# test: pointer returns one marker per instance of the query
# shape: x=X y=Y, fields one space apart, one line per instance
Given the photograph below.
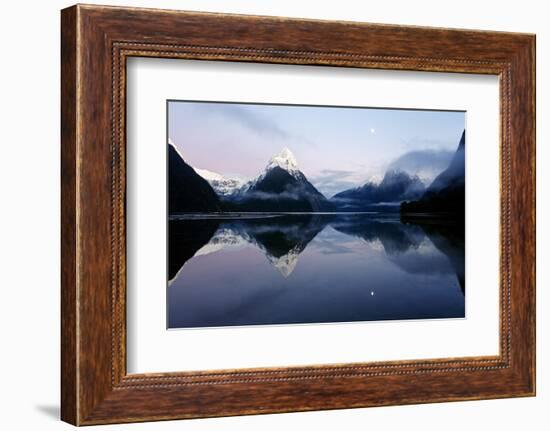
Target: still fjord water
x=261 y=269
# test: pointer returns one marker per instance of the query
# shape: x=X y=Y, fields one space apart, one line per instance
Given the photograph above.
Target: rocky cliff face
x=188 y=191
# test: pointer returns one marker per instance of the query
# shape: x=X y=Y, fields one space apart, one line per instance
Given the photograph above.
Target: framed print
x=268 y=215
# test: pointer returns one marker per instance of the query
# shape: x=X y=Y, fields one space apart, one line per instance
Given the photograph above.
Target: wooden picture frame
x=95 y=43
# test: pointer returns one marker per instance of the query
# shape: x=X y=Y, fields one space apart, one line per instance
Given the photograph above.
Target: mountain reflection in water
x=312 y=268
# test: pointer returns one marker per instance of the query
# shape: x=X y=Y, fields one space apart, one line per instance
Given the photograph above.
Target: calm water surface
x=312 y=268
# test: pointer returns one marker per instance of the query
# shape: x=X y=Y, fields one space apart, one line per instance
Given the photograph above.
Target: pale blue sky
x=335 y=147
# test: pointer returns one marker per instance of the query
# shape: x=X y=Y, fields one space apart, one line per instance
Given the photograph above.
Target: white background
x=151 y=348
x=29 y=228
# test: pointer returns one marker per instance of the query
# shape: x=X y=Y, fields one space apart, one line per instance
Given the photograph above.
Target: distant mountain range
x=446 y=194
x=283 y=187
x=280 y=187
x=223 y=186
x=395 y=187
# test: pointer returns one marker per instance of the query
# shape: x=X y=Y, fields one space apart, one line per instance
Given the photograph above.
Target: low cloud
x=427 y=164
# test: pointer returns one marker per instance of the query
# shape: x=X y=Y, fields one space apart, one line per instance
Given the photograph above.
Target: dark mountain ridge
x=277 y=191
x=188 y=191
x=446 y=194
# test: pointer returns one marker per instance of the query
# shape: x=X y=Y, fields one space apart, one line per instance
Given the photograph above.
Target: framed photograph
x=264 y=215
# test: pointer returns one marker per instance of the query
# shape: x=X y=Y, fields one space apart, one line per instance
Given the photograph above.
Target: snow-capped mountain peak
x=285 y=160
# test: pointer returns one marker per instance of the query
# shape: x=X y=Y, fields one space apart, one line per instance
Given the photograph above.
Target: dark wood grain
x=96 y=41
x=69 y=398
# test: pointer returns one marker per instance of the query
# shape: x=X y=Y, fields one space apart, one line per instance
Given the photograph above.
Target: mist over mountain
x=446 y=194
x=395 y=187
x=280 y=187
x=452 y=177
x=426 y=164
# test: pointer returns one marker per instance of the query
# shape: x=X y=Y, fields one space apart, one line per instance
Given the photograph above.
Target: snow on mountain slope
x=285 y=160
x=209 y=175
x=170 y=142
x=222 y=185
